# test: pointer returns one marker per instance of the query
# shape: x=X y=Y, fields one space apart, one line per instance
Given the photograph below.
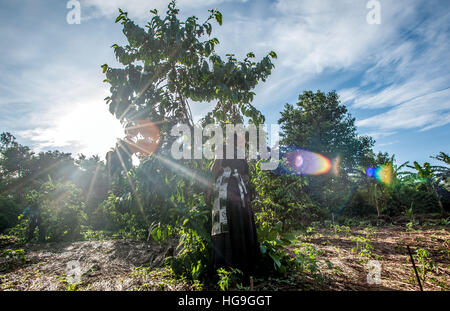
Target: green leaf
x=154 y=11
x=273 y=54
x=219 y=17
x=158 y=234
x=208 y=28
x=120 y=17
x=105 y=67
x=276 y=261
x=417 y=166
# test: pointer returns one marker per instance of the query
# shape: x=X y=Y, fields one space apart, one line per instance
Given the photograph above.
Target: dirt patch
x=95 y=265
x=350 y=257
x=342 y=258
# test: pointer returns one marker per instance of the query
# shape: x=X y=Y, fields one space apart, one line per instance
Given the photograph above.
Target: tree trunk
x=376 y=201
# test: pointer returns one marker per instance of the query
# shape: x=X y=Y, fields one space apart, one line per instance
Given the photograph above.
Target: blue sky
x=394 y=77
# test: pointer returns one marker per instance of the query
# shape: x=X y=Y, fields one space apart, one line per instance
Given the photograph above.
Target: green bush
x=20 y=229
x=61 y=211
x=194 y=249
x=228 y=277
x=282 y=198
x=114 y=215
x=305 y=260
x=9 y=212
x=272 y=246
x=359 y=205
x=193 y=259
x=12 y=258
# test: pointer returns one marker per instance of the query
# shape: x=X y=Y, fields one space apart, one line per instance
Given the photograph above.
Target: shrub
x=228 y=277
x=12 y=258
x=9 y=211
x=193 y=258
x=61 y=211
x=20 y=229
x=272 y=246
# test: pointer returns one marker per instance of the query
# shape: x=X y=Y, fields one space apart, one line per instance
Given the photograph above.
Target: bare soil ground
x=349 y=267
x=96 y=265
x=134 y=265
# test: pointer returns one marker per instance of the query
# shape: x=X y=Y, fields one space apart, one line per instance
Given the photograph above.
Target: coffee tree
x=170 y=63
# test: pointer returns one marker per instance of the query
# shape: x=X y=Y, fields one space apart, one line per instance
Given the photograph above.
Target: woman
x=233 y=233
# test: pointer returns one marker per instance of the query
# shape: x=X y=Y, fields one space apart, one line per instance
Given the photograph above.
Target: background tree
x=15 y=160
x=320 y=123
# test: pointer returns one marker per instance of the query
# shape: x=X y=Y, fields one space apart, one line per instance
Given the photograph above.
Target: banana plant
x=376 y=187
x=431 y=177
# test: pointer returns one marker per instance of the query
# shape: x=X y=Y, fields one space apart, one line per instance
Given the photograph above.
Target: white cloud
x=348 y=95
x=411 y=80
x=328 y=34
x=314 y=38
x=388 y=144
x=425 y=112
x=311 y=38
x=377 y=135
x=141 y=9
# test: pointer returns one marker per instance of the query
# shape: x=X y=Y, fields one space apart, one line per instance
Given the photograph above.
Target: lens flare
x=382 y=173
x=308 y=163
x=370 y=171
x=143 y=137
x=298 y=161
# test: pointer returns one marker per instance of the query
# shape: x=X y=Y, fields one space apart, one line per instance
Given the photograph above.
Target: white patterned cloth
x=219 y=213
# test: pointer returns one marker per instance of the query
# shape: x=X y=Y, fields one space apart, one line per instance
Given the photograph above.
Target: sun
x=88 y=128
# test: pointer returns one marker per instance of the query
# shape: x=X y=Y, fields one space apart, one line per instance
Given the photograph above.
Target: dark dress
x=233 y=234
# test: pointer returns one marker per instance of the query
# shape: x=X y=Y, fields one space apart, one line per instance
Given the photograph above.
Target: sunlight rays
x=26 y=181
x=178 y=168
x=145 y=88
x=130 y=182
x=92 y=183
x=183 y=170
